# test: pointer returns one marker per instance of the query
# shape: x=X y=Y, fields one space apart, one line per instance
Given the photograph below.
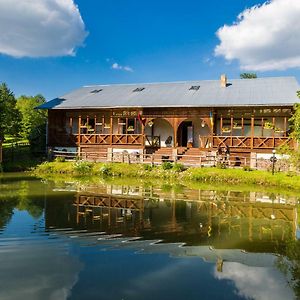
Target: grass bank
x=175 y=173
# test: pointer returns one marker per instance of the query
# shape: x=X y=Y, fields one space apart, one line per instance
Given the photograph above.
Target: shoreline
x=174 y=172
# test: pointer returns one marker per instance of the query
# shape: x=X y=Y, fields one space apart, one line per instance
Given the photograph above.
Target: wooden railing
x=152 y=141
x=127 y=139
x=96 y=139
x=244 y=142
x=114 y=139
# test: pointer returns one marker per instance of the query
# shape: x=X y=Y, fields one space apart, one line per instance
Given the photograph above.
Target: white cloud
x=34 y=28
x=265 y=37
x=256 y=282
x=116 y=66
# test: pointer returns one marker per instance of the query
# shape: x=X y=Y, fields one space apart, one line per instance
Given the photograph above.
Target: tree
x=9 y=114
x=30 y=117
x=248 y=75
x=295 y=121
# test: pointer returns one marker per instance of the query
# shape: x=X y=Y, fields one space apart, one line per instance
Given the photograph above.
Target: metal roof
x=273 y=91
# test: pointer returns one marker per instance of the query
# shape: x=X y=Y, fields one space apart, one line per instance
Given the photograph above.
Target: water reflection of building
x=223 y=219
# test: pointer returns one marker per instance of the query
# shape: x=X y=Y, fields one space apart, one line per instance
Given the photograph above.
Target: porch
x=244 y=130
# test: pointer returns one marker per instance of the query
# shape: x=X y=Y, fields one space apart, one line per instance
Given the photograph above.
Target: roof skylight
x=95 y=91
x=139 y=89
x=194 y=88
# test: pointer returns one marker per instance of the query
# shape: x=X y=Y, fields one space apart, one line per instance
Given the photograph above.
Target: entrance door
x=185 y=134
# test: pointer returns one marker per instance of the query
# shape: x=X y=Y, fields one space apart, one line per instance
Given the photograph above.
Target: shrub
x=247 y=168
x=221 y=165
x=148 y=167
x=82 y=167
x=178 y=167
x=167 y=165
x=105 y=170
x=60 y=159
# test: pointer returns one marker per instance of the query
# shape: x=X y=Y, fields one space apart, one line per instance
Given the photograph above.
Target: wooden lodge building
x=247 y=116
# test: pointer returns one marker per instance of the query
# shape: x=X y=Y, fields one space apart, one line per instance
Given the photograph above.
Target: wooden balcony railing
x=114 y=139
x=245 y=142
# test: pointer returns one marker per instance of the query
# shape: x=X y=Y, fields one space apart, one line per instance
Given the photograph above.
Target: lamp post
x=273 y=159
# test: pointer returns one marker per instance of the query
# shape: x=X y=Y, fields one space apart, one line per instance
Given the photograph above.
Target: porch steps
x=94 y=153
x=161 y=155
x=191 y=156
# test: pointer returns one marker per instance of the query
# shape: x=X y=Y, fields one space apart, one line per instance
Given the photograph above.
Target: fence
x=207 y=160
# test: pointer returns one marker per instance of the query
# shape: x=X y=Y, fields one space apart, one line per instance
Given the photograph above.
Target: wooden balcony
x=245 y=142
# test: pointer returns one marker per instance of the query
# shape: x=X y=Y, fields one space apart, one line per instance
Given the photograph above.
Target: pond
x=109 y=240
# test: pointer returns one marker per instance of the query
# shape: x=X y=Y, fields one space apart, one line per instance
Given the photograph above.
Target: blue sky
x=140 y=41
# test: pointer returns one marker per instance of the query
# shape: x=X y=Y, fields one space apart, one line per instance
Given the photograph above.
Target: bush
x=105 y=170
x=148 y=167
x=60 y=159
x=247 y=168
x=82 y=167
x=166 y=165
x=221 y=165
x=178 y=167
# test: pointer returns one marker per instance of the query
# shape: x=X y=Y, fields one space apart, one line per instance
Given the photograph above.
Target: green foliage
x=105 y=170
x=295 y=121
x=177 y=167
x=221 y=165
x=60 y=159
x=247 y=169
x=9 y=114
x=167 y=165
x=82 y=167
x=148 y=167
x=37 y=139
x=31 y=118
x=248 y=75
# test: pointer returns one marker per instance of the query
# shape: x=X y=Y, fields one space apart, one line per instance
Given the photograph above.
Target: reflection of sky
x=255 y=282
x=37 y=266
x=33 y=268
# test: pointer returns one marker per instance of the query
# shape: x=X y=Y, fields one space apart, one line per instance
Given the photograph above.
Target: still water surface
x=112 y=241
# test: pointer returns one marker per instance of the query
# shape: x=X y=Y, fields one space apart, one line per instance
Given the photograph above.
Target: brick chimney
x=223 y=81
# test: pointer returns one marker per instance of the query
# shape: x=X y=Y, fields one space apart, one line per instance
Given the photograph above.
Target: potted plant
x=130 y=128
x=226 y=129
x=268 y=125
x=236 y=125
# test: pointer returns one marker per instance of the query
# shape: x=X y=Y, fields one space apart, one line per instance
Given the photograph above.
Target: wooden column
x=243 y=127
x=71 y=125
x=111 y=128
x=221 y=125
x=175 y=127
x=285 y=126
x=79 y=129
x=143 y=134
x=231 y=130
x=252 y=130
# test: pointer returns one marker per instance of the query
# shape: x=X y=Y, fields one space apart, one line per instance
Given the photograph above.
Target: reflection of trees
x=290 y=265
x=6 y=211
x=34 y=207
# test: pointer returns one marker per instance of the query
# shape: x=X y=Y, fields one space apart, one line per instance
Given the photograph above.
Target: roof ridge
x=186 y=81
